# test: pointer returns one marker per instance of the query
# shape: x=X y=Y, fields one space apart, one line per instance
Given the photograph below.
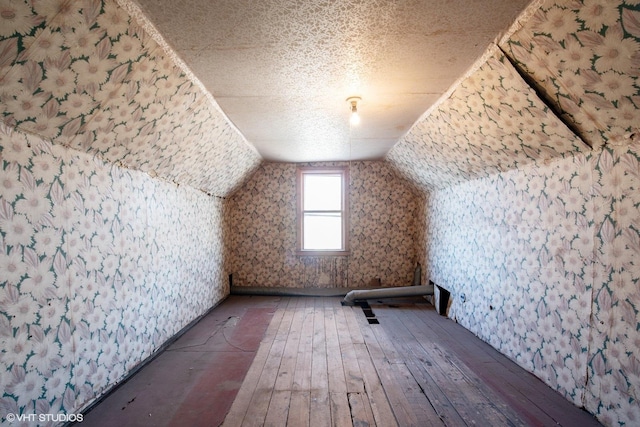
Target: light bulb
x=353 y=105
x=354 y=119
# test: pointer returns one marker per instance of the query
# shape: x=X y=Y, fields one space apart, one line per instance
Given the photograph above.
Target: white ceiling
x=281 y=70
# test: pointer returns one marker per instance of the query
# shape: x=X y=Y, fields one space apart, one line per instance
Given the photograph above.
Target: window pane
x=322 y=231
x=322 y=192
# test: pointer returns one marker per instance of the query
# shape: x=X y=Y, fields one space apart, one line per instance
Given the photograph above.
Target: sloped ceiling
x=492 y=122
x=86 y=75
x=582 y=58
x=585 y=58
x=282 y=69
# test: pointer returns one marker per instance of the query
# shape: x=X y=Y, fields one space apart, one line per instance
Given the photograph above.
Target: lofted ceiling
x=281 y=70
x=448 y=94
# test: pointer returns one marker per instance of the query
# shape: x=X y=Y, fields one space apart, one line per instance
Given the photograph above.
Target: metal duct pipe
x=403 y=291
x=289 y=292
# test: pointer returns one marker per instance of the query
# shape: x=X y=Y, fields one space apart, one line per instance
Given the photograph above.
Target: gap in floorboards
x=368 y=312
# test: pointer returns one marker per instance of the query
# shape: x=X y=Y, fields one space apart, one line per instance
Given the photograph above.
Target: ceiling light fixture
x=353 y=106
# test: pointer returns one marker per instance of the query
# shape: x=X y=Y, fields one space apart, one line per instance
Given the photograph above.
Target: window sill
x=321 y=253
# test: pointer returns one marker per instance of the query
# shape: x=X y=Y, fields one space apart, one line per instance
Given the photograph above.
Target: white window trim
x=342 y=170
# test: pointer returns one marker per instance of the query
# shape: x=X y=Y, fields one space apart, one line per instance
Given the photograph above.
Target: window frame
x=343 y=171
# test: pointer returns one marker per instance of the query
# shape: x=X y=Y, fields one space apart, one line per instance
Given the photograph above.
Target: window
x=323 y=211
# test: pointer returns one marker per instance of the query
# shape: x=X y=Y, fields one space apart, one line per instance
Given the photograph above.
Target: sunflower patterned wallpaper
x=541 y=249
x=100 y=266
x=84 y=74
x=261 y=231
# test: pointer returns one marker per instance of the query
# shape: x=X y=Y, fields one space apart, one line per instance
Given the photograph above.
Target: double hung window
x=323 y=211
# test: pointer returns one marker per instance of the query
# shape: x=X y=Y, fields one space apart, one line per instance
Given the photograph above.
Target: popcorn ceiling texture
x=101 y=264
x=282 y=69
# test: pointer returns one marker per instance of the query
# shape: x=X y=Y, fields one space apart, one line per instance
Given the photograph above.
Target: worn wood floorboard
x=279 y=404
x=474 y=402
x=261 y=398
x=390 y=368
x=361 y=413
x=340 y=412
x=535 y=402
x=299 y=410
x=422 y=368
x=352 y=374
x=241 y=404
x=322 y=364
x=320 y=409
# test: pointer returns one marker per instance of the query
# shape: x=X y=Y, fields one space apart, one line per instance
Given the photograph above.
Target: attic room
x=149 y=163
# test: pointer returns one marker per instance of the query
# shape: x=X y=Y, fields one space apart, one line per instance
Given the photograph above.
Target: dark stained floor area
x=311 y=361
x=194 y=381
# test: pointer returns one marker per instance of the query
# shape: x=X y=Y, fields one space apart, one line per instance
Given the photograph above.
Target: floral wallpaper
x=85 y=74
x=542 y=255
x=516 y=256
x=542 y=264
x=100 y=266
x=492 y=122
x=100 y=263
x=261 y=237
x=585 y=56
x=528 y=211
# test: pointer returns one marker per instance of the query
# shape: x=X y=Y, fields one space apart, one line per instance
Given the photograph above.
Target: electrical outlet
x=463 y=298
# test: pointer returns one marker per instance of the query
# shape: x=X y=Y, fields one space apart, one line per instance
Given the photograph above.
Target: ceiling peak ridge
x=135 y=11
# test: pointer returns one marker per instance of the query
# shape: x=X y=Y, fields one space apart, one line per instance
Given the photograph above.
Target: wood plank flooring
x=322 y=364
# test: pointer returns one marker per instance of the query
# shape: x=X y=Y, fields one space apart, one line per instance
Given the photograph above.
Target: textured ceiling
x=493 y=122
x=281 y=70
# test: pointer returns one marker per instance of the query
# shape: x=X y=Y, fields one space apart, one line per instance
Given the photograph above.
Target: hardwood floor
x=308 y=361
x=320 y=363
